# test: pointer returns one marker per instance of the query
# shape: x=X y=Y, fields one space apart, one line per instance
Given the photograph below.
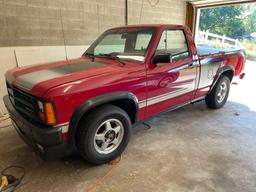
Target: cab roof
x=149 y=26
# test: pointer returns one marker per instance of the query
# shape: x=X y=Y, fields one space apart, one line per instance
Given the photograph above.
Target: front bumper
x=45 y=141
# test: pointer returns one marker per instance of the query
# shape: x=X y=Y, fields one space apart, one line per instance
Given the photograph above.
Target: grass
x=250 y=48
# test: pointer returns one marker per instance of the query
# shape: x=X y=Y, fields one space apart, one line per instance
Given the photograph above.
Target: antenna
x=63 y=35
x=126 y=12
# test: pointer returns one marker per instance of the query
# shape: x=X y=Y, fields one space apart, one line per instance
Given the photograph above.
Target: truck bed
x=230 y=56
x=208 y=50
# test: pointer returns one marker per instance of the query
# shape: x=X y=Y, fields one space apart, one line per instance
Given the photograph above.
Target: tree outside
x=236 y=21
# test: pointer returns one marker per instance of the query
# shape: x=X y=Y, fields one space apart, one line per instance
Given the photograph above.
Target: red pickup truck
x=89 y=104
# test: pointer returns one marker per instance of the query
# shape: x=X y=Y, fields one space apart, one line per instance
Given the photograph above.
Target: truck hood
x=37 y=79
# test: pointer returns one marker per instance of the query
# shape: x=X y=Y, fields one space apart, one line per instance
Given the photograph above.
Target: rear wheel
x=103 y=134
x=219 y=94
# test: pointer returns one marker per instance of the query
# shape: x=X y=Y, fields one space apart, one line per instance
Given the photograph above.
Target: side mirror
x=162 y=58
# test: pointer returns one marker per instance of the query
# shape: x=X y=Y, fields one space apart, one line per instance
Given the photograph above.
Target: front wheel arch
x=90 y=126
x=119 y=99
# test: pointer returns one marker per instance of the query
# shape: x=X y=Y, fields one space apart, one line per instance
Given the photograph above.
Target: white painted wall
x=11 y=57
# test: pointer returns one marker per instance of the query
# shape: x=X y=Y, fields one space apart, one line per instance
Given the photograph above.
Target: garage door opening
x=230 y=26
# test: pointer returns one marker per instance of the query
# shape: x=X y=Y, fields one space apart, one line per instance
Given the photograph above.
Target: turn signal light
x=46 y=113
x=49 y=113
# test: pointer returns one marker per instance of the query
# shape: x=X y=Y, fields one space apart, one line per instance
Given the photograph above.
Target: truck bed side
x=216 y=61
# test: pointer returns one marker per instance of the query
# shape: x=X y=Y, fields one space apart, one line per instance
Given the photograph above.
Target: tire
x=98 y=129
x=219 y=95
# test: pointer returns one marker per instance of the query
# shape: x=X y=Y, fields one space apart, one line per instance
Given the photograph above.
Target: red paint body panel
x=130 y=77
x=144 y=79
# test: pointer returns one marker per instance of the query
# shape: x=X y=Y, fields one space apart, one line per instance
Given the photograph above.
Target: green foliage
x=231 y=21
x=227 y=20
x=250 y=47
x=250 y=20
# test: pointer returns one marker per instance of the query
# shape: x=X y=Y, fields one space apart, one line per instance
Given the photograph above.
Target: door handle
x=191 y=64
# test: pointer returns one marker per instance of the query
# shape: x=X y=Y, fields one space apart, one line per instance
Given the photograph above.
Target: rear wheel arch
x=229 y=74
x=227 y=70
x=219 y=94
x=124 y=100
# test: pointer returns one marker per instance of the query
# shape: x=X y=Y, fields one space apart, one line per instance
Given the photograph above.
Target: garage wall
x=35 y=31
x=157 y=11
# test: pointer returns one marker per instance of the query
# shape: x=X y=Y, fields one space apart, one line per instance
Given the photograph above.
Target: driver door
x=171 y=83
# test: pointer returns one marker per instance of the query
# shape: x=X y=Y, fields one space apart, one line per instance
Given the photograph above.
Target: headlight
x=46 y=112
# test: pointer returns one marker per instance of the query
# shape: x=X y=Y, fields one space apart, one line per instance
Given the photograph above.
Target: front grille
x=22 y=102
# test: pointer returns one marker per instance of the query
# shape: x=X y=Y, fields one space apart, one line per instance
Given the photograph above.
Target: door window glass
x=173 y=42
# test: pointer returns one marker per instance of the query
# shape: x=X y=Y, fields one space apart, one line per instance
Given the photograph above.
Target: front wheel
x=103 y=134
x=219 y=94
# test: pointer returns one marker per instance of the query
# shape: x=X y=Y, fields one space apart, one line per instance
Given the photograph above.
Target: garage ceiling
x=207 y=3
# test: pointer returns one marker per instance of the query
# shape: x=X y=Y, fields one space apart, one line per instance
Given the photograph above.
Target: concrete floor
x=190 y=149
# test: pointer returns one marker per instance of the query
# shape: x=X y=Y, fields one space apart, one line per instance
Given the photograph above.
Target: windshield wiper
x=89 y=55
x=111 y=57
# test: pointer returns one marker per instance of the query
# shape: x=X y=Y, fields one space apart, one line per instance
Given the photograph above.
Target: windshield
x=129 y=44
